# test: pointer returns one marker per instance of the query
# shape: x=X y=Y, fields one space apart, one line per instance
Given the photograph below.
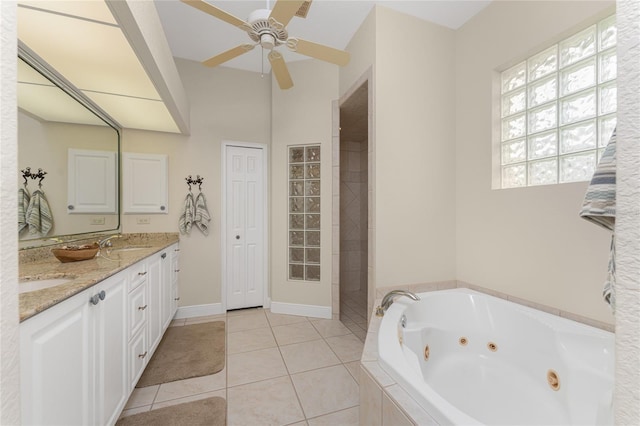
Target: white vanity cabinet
x=73 y=358
x=81 y=358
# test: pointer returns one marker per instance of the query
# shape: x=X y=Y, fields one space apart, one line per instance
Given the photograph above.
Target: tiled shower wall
x=353 y=215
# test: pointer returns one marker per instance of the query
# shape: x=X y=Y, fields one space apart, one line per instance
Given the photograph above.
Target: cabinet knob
x=142 y=308
x=176 y=249
x=162 y=208
x=94 y=300
x=163 y=255
x=237 y=237
x=70 y=207
x=102 y=295
x=177 y=298
x=142 y=273
x=143 y=355
x=176 y=270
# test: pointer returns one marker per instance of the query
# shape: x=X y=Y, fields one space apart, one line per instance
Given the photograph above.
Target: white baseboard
x=199 y=310
x=313 y=311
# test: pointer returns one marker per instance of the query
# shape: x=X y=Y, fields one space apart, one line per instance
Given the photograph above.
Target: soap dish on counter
x=76 y=253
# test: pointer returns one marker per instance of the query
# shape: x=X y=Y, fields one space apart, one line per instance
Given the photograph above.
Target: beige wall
x=362 y=49
x=301 y=115
x=526 y=242
x=226 y=105
x=414 y=151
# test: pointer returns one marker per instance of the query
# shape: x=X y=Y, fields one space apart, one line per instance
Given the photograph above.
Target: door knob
x=237 y=237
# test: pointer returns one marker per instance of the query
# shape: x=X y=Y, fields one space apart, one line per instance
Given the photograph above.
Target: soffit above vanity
x=111 y=56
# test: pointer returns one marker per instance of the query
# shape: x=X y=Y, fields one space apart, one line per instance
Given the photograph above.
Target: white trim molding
x=313 y=311
x=199 y=310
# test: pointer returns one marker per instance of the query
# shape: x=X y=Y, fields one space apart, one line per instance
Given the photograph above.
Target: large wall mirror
x=68 y=155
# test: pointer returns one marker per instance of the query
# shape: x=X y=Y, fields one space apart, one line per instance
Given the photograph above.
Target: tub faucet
x=387 y=300
x=106 y=242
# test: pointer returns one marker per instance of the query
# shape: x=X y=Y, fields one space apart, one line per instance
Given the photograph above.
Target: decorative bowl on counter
x=75 y=253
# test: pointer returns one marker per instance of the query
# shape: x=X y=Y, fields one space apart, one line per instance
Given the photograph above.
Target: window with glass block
x=558 y=109
x=304 y=212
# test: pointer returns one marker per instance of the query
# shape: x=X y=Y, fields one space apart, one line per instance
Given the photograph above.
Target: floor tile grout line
x=333 y=412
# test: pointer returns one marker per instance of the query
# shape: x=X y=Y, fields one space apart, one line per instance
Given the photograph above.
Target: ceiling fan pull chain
x=262 y=61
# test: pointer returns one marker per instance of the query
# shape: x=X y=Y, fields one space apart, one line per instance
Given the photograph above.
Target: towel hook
x=39 y=175
x=26 y=173
x=197 y=181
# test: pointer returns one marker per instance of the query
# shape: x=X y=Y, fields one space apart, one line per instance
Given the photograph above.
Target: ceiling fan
x=267 y=28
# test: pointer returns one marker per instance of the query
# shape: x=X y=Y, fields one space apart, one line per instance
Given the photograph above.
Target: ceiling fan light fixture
x=262 y=25
x=267 y=41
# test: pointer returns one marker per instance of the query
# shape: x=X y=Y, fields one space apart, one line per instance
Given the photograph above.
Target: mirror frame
x=36 y=62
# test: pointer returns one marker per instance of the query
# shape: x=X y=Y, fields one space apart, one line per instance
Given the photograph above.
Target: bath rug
x=186 y=351
x=209 y=412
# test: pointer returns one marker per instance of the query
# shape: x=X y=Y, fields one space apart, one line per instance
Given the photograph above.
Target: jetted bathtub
x=470 y=358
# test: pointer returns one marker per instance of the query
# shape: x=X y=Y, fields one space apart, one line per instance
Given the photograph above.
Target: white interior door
x=245 y=251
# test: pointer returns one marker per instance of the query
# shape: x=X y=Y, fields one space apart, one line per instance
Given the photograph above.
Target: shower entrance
x=355 y=154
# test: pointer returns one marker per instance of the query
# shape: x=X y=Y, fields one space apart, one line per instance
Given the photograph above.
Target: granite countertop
x=41 y=264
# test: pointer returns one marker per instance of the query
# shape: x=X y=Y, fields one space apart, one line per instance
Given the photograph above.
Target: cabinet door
x=167 y=293
x=138 y=357
x=154 y=318
x=110 y=331
x=145 y=188
x=92 y=181
x=175 y=269
x=56 y=364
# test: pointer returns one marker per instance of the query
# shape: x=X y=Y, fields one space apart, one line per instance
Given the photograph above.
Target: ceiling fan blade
x=214 y=11
x=284 y=10
x=280 y=70
x=319 y=51
x=228 y=55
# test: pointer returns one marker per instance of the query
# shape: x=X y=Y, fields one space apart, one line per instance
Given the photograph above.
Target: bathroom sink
x=27 y=286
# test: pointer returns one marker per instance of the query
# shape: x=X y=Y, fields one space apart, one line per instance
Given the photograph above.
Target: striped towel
x=188 y=213
x=23 y=205
x=202 y=217
x=599 y=207
x=38 y=215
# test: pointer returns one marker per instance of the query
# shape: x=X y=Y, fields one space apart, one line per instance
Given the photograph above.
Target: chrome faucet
x=387 y=300
x=106 y=242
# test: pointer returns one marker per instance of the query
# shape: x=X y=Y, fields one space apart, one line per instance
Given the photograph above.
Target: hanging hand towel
x=599 y=207
x=23 y=205
x=186 y=218
x=202 y=217
x=38 y=215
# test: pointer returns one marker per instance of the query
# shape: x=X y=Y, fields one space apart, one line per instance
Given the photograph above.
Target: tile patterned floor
x=280 y=370
x=353 y=312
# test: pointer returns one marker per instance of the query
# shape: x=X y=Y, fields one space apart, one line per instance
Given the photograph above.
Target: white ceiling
x=194 y=35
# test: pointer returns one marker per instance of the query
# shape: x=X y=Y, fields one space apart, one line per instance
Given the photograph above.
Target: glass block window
x=558 y=109
x=304 y=212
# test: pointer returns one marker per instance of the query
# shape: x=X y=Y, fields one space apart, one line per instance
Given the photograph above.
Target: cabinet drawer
x=137 y=275
x=138 y=308
x=138 y=357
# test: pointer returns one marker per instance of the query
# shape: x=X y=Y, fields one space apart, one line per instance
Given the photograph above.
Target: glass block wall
x=558 y=109
x=304 y=212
